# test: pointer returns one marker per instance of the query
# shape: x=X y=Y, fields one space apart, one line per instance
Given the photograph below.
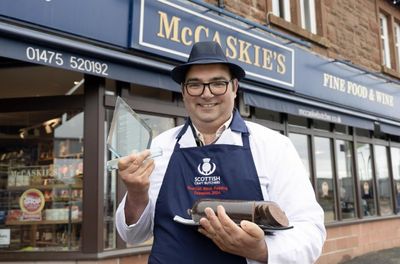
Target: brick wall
x=346 y=242
x=351 y=27
x=353 y=31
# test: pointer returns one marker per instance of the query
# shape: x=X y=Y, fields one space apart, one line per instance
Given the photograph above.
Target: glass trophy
x=128 y=134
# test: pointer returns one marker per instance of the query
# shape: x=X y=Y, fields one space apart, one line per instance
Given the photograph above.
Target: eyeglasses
x=216 y=87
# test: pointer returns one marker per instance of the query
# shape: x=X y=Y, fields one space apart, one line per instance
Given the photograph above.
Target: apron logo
x=206 y=168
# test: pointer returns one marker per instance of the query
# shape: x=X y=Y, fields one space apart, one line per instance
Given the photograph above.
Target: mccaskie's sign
x=170 y=28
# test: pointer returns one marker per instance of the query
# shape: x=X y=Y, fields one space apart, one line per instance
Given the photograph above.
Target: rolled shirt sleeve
x=141 y=230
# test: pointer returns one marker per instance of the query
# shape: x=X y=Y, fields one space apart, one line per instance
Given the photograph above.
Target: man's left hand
x=246 y=241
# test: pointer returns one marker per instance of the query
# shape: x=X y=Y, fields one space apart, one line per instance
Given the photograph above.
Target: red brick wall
x=351 y=27
x=347 y=242
x=353 y=31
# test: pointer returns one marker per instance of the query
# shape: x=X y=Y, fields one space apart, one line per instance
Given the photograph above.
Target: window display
x=41 y=188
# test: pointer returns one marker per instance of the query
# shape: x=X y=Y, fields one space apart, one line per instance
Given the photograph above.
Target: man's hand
x=246 y=241
x=135 y=171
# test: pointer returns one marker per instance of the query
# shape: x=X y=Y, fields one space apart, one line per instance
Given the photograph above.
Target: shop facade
x=63 y=64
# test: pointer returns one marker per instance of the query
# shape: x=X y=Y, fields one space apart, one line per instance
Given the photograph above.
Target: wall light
x=77 y=84
x=23 y=133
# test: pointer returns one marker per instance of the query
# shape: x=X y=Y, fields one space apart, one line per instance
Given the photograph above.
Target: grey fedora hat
x=206 y=52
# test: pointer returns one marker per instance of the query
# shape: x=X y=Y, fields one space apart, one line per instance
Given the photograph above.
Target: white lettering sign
x=74 y=62
x=354 y=89
x=4 y=237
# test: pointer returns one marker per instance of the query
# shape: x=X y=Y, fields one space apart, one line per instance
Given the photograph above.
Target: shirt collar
x=237 y=125
x=219 y=132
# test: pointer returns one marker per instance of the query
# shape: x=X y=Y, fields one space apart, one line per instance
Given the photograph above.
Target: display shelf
x=43 y=222
x=55 y=169
x=45 y=187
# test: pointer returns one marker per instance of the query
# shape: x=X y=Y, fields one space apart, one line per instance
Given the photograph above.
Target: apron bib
x=212 y=171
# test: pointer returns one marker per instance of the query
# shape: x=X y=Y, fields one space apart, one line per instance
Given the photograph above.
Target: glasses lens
x=218 y=87
x=194 y=89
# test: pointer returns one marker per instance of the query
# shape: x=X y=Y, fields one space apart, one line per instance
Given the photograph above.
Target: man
x=216 y=154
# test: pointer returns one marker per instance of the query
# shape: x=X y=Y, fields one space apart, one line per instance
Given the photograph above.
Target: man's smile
x=208 y=105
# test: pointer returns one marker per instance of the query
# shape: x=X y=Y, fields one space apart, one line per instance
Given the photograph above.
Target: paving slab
x=386 y=256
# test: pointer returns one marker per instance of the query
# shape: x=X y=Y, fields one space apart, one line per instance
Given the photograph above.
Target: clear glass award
x=128 y=134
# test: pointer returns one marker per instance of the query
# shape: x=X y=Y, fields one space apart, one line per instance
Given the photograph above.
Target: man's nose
x=207 y=91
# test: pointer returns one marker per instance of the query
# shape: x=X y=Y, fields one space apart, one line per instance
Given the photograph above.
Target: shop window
x=303 y=18
x=307 y=14
x=150 y=92
x=346 y=189
x=366 y=179
x=341 y=129
x=266 y=114
x=321 y=125
x=41 y=157
x=395 y=154
x=38 y=81
x=281 y=8
x=158 y=124
x=324 y=174
x=383 y=23
x=363 y=132
x=297 y=121
x=300 y=142
x=397 y=43
x=389 y=23
x=383 y=179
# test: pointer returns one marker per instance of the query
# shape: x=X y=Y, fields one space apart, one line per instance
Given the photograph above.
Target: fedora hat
x=206 y=52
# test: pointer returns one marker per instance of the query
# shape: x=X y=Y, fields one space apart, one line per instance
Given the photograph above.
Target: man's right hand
x=135 y=171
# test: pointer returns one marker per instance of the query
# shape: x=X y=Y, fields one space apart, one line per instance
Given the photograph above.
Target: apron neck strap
x=237 y=125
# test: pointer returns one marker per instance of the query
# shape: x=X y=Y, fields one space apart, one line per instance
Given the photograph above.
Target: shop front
x=61 y=75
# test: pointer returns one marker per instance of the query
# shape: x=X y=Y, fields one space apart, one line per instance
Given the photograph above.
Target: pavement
x=386 y=256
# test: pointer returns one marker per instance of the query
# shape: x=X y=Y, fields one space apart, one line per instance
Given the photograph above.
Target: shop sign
x=102 y=20
x=25 y=176
x=344 y=85
x=351 y=88
x=170 y=28
x=61 y=58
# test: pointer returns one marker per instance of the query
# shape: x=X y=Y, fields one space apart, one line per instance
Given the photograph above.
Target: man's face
x=208 y=112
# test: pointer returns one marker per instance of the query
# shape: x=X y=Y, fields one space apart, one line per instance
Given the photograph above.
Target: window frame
x=397 y=43
x=311 y=18
x=385 y=147
x=393 y=18
x=384 y=40
x=285 y=13
x=44 y=103
x=294 y=26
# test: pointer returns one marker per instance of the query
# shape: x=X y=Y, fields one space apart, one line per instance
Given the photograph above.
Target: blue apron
x=212 y=171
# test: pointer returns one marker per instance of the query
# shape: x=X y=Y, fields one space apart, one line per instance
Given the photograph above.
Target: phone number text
x=73 y=62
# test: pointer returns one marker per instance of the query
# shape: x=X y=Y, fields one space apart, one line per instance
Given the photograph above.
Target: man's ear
x=235 y=85
x=183 y=91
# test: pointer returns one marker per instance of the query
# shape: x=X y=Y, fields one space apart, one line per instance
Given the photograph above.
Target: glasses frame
x=209 y=87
